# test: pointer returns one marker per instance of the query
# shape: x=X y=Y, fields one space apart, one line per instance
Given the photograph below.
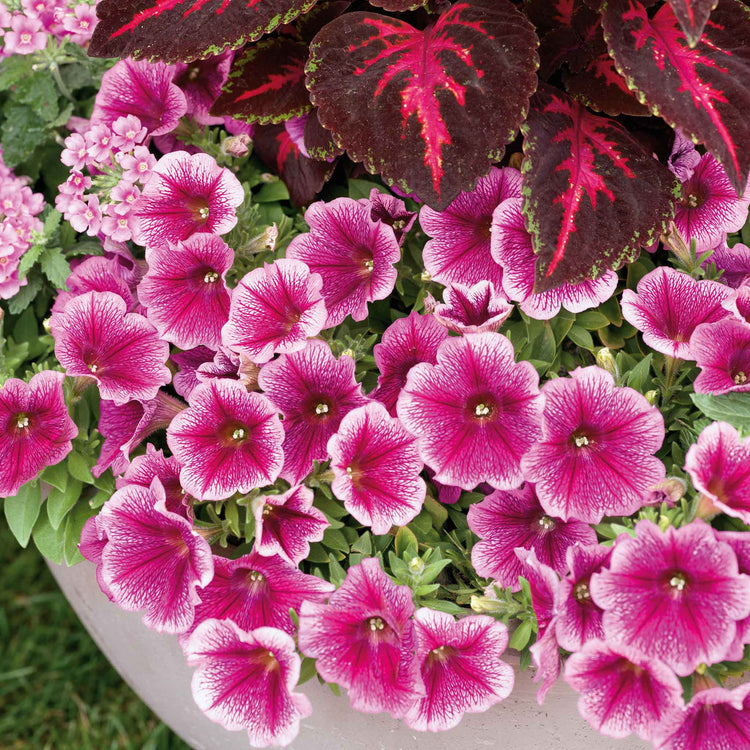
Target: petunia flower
x=476 y=309
x=255 y=591
x=126 y=426
x=185 y=379
x=353 y=254
x=742 y=302
x=675 y=595
x=722 y=351
x=392 y=211
x=459 y=251
x=187 y=194
x=35 y=428
x=406 y=342
x=228 y=440
x=715 y=718
x=596 y=453
x=684 y=157
x=719 y=465
x=144 y=468
x=96 y=338
x=314 y=391
x=185 y=291
x=734 y=262
x=91 y=545
x=739 y=541
x=512 y=249
x=460 y=668
x=274 y=310
x=153 y=558
x=246 y=681
x=376 y=466
x=504 y=521
x=709 y=207
x=669 y=305
x=201 y=82
x=286 y=524
x=476 y=412
x=362 y=640
x=623 y=691
x=143 y=89
x=578 y=618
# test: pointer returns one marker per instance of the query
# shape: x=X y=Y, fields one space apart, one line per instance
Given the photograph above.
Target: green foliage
x=730 y=407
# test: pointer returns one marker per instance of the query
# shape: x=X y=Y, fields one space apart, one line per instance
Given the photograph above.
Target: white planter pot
x=154 y=666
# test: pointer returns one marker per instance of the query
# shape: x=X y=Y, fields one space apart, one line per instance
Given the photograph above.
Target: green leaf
x=73 y=526
x=54 y=266
x=406 y=538
x=591 y=320
x=60 y=502
x=271 y=192
x=437 y=511
x=730 y=407
x=521 y=636
x=443 y=605
x=79 y=468
x=14 y=69
x=26 y=294
x=49 y=541
x=57 y=476
x=28 y=259
x=638 y=377
x=22 y=131
x=581 y=337
x=40 y=93
x=307 y=670
x=361 y=188
x=335 y=540
x=22 y=510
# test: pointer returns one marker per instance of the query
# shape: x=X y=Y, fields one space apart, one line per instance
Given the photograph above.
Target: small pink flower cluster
x=27 y=31
x=19 y=207
x=118 y=166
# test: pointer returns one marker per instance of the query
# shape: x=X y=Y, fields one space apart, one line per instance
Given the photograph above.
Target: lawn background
x=57 y=690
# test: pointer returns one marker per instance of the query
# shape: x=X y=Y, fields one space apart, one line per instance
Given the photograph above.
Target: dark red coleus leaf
x=704 y=91
x=692 y=15
x=429 y=109
x=397 y=5
x=266 y=83
x=592 y=195
x=185 y=30
x=319 y=141
x=304 y=177
x=599 y=86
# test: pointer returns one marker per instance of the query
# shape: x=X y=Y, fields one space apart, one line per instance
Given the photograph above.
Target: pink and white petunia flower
x=377 y=465
x=675 y=595
x=715 y=719
x=35 y=428
x=275 y=309
x=153 y=558
x=623 y=691
x=476 y=412
x=514 y=518
x=391 y=211
x=228 y=440
x=247 y=680
x=460 y=668
x=476 y=309
x=185 y=292
x=143 y=89
x=187 y=194
x=96 y=337
x=596 y=452
x=722 y=351
x=255 y=590
x=352 y=253
x=314 y=391
x=362 y=640
x=669 y=305
x=201 y=82
x=286 y=524
x=513 y=250
x=459 y=251
x=406 y=342
x=719 y=465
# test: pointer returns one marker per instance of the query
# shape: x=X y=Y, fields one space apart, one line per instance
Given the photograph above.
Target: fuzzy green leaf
x=730 y=407
x=22 y=510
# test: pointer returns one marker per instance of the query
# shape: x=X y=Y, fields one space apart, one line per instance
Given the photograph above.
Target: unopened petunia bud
x=606 y=360
x=652 y=397
x=483 y=605
x=236 y=145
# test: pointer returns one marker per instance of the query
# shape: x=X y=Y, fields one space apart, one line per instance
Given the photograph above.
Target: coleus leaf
x=704 y=91
x=185 y=30
x=692 y=15
x=397 y=5
x=319 y=141
x=266 y=83
x=304 y=177
x=592 y=195
x=430 y=110
x=599 y=86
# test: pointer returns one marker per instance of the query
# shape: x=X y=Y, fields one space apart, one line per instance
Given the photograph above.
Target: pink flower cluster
x=19 y=207
x=26 y=31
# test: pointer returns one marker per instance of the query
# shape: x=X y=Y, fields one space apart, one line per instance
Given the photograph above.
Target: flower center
x=740 y=378
x=255 y=577
x=22 y=421
x=547 y=523
x=25 y=38
x=267 y=510
x=678 y=582
x=369 y=264
x=580 y=439
x=321 y=408
x=482 y=408
x=581 y=592
x=375 y=624
x=211 y=277
x=239 y=434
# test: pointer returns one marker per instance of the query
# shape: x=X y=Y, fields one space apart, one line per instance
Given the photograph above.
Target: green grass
x=57 y=690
